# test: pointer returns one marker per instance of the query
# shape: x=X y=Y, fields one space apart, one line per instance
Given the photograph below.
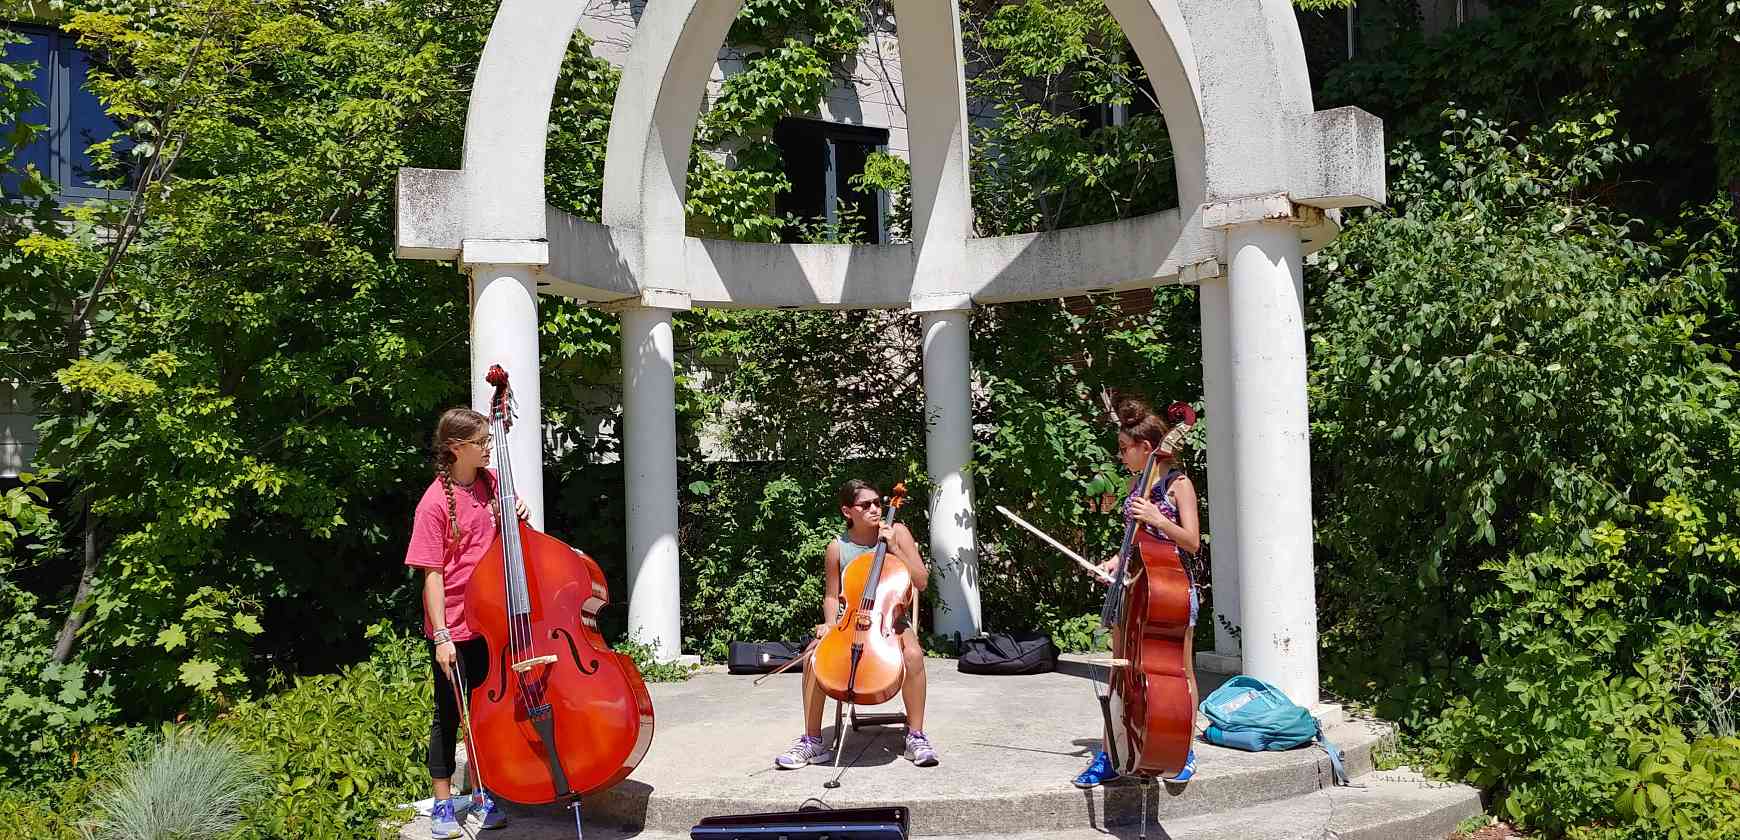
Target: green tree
x=1043 y=158
x=1668 y=70
x=259 y=372
x=1523 y=492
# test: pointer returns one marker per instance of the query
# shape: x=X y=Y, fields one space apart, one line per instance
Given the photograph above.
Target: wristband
x=443 y=635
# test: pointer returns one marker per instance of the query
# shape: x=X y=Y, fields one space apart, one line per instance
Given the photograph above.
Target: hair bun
x=1132 y=412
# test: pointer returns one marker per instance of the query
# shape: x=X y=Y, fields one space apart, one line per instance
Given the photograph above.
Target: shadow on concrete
x=1085 y=670
x=621 y=806
x=1129 y=799
x=1083 y=751
x=1206 y=681
x=870 y=746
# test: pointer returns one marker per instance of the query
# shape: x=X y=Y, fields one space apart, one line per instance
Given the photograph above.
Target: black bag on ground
x=883 y=823
x=761 y=657
x=1021 y=652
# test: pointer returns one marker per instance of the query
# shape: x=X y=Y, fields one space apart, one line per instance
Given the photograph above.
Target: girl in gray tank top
x=860 y=505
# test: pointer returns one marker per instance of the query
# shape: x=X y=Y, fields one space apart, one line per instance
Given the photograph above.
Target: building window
x=17 y=430
x=1143 y=100
x=821 y=159
x=74 y=117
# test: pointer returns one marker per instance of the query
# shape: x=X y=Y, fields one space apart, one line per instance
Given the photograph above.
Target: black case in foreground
x=883 y=823
x=761 y=657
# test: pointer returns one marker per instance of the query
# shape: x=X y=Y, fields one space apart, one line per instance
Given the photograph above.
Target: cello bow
x=1096 y=571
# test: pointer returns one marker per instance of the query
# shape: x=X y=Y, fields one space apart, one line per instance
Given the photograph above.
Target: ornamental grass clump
x=191 y=786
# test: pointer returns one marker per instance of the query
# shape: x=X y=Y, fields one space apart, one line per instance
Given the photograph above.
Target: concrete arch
x=1230 y=78
x=648 y=155
x=1260 y=176
x=507 y=120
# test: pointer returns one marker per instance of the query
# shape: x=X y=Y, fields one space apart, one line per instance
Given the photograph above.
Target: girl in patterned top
x=1168 y=513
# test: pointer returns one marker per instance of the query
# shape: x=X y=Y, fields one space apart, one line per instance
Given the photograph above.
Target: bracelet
x=443 y=635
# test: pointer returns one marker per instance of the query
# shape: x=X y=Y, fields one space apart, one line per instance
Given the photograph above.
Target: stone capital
x=504 y=252
x=1274 y=207
x=674 y=300
x=943 y=302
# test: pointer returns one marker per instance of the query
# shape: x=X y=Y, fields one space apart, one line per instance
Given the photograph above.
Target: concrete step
x=1024 y=794
x=1009 y=747
x=1385 y=805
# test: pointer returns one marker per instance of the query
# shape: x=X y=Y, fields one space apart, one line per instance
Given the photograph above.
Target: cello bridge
x=525 y=665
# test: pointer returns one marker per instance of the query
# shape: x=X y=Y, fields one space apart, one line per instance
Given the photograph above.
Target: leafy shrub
x=1683 y=789
x=340 y=750
x=1080 y=634
x=189 y=787
x=37 y=818
x=55 y=810
x=48 y=710
x=1524 y=510
x=652 y=670
x=755 y=572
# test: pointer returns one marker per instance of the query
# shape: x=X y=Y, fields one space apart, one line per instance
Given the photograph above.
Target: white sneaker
x=805 y=750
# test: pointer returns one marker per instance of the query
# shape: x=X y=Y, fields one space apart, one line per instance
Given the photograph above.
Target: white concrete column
x=1272 y=457
x=504 y=331
x=948 y=412
x=1214 y=297
x=649 y=462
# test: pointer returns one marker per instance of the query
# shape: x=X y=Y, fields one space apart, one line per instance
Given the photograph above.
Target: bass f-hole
x=574 y=651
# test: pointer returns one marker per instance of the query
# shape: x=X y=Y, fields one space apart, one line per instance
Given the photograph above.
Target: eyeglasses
x=481 y=444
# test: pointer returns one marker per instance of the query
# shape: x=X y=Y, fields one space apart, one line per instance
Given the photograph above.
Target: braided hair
x=456 y=425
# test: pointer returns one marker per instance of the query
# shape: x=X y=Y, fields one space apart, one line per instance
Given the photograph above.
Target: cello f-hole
x=501 y=664
x=574 y=651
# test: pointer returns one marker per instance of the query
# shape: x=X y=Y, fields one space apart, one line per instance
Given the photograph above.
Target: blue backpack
x=1246 y=713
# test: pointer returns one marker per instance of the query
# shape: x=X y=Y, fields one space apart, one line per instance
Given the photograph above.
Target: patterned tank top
x=1160 y=493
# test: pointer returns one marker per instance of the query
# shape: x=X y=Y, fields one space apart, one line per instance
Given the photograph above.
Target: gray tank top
x=849 y=551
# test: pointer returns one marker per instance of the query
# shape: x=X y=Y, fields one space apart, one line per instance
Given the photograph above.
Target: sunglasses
x=867 y=504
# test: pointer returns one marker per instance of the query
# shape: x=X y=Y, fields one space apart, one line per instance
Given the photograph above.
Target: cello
x=560 y=714
x=859 y=659
x=1148 y=709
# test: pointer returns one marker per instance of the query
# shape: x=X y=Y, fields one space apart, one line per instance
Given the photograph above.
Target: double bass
x=859 y=659
x=1148 y=711
x=560 y=714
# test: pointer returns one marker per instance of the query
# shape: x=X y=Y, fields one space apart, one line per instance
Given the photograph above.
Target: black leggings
x=474 y=664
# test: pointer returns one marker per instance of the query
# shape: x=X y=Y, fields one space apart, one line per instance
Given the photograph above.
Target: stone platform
x=1009 y=746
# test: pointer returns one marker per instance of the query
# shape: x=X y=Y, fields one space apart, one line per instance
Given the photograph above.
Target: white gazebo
x=1260 y=173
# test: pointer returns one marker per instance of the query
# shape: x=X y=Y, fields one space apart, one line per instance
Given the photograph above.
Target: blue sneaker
x=1097 y=773
x=442 y=824
x=1188 y=771
x=488 y=815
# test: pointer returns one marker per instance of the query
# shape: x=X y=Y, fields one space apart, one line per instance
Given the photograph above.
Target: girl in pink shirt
x=455 y=523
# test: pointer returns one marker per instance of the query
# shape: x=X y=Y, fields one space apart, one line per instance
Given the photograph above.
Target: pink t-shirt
x=432 y=545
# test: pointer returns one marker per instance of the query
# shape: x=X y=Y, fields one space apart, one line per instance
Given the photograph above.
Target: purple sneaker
x=442 y=824
x=918 y=749
x=805 y=750
x=489 y=817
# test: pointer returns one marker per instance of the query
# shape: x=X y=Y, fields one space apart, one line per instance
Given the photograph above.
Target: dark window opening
x=1142 y=101
x=821 y=159
x=73 y=116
